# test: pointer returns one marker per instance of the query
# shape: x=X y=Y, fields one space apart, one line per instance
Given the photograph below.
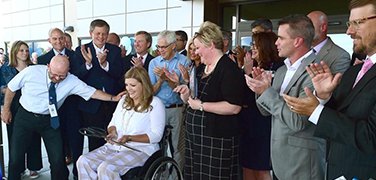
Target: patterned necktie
x=52 y=99
x=366 y=66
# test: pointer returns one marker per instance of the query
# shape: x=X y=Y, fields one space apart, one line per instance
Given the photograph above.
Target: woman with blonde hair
x=138 y=121
x=19 y=60
x=212 y=127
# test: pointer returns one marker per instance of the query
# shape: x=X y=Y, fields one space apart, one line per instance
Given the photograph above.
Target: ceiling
x=275 y=9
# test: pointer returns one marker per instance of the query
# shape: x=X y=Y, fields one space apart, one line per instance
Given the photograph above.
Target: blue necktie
x=52 y=97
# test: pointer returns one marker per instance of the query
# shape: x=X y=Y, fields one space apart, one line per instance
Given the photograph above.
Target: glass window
x=344 y=41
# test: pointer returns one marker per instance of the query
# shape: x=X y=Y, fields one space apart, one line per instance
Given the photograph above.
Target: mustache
x=355 y=37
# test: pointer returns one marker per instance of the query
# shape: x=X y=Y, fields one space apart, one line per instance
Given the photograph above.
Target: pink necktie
x=366 y=66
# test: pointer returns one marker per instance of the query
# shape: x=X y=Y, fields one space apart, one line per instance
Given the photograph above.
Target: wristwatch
x=201 y=108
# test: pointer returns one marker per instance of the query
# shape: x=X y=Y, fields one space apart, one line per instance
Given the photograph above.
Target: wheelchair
x=158 y=165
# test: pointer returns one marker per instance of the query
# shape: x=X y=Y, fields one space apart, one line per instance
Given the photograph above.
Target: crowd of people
x=294 y=106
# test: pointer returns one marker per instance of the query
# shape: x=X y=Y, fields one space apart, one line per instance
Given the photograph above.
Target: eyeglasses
x=56 y=75
x=356 y=23
x=162 y=47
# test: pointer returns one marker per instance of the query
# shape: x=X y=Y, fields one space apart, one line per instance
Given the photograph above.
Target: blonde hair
x=210 y=33
x=140 y=74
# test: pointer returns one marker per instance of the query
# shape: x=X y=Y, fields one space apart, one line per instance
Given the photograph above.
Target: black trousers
x=71 y=122
x=100 y=119
x=34 y=152
x=27 y=123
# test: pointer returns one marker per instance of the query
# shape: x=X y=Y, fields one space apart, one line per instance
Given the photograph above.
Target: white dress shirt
x=291 y=69
x=98 y=51
x=34 y=82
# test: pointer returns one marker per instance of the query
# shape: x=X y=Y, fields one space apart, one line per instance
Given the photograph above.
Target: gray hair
x=169 y=36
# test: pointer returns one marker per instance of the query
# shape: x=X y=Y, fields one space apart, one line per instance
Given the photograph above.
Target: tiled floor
x=44 y=172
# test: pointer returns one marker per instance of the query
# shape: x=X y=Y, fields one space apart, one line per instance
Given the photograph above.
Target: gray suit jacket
x=295 y=152
x=337 y=58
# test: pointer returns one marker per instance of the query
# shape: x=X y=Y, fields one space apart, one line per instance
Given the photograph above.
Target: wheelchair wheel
x=164 y=168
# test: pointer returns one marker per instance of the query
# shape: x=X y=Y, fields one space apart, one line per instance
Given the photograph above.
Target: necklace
x=206 y=68
x=125 y=122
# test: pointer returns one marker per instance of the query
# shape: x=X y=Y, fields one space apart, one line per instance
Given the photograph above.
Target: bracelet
x=111 y=98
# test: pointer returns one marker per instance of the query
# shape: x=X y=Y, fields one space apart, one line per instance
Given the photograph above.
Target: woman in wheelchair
x=138 y=121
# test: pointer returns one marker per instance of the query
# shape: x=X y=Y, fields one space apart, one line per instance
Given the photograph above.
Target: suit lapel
x=301 y=69
x=278 y=78
x=370 y=75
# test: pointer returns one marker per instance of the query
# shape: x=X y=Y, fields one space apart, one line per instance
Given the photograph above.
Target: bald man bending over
x=34 y=114
x=334 y=56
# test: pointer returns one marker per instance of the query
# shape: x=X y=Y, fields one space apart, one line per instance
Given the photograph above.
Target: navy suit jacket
x=96 y=76
x=184 y=52
x=46 y=58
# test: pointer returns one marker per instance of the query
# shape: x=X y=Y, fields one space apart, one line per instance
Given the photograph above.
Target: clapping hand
x=158 y=71
x=302 y=105
x=102 y=56
x=323 y=80
x=137 y=61
x=172 y=76
x=240 y=54
x=184 y=73
x=248 y=63
x=260 y=81
x=86 y=53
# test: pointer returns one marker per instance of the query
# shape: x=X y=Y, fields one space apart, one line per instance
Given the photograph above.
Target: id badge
x=52 y=109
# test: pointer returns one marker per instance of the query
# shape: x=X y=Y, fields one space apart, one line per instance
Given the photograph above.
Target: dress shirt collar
x=296 y=65
x=48 y=80
x=57 y=52
x=174 y=57
x=99 y=50
x=373 y=58
x=143 y=57
x=318 y=47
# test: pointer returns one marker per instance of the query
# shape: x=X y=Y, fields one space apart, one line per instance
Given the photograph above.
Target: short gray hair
x=169 y=36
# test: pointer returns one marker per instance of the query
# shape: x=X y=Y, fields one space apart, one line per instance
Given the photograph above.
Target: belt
x=36 y=114
x=40 y=115
x=174 y=106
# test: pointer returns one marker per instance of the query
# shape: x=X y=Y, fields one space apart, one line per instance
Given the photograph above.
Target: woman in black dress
x=256 y=128
x=212 y=127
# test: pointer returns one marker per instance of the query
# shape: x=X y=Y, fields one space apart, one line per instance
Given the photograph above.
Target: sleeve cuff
x=107 y=67
x=322 y=101
x=88 y=66
x=314 y=118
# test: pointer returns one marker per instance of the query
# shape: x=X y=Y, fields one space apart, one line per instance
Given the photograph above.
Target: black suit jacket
x=96 y=76
x=348 y=122
x=128 y=64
